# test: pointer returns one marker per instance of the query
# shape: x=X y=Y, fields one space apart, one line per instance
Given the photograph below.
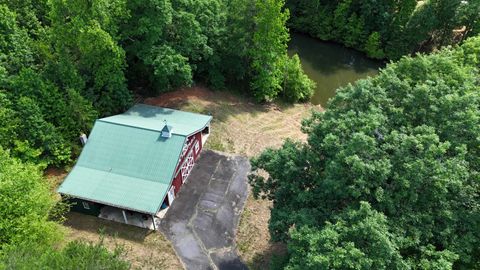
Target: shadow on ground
x=221 y=104
x=93 y=224
x=263 y=260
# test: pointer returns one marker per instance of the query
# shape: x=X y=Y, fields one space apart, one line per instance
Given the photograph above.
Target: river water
x=330 y=65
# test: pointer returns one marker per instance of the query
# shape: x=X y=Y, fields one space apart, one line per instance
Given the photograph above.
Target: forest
x=387 y=29
x=63 y=64
x=388 y=178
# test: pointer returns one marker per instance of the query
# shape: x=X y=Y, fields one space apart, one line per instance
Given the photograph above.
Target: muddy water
x=330 y=65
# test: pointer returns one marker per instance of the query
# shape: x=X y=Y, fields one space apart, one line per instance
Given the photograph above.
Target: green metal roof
x=128 y=165
x=152 y=117
x=114 y=189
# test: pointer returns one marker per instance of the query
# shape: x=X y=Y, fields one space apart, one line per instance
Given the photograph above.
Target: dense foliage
x=387 y=28
x=389 y=177
x=76 y=255
x=25 y=204
x=29 y=229
x=64 y=63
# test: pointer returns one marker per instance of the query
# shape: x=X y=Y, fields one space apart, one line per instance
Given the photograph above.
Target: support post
x=153 y=220
x=124 y=217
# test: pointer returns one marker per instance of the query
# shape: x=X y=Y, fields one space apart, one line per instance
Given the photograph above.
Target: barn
x=133 y=164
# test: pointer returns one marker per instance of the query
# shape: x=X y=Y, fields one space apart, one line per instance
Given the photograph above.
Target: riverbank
x=330 y=65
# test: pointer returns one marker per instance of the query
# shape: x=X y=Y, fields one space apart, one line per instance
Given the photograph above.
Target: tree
x=406 y=143
x=29 y=135
x=31 y=15
x=212 y=17
x=8 y=128
x=173 y=41
x=39 y=134
x=85 y=32
x=25 y=205
x=359 y=239
x=269 y=46
x=468 y=13
x=296 y=84
x=239 y=39
x=171 y=69
x=142 y=37
x=67 y=110
x=15 y=51
x=373 y=47
x=405 y=26
x=28 y=230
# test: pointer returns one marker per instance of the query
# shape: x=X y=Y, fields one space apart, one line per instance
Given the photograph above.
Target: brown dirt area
x=241 y=126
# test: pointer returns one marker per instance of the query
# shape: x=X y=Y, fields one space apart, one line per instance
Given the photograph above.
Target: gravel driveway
x=202 y=221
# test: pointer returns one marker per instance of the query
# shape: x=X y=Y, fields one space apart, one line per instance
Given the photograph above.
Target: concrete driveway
x=202 y=221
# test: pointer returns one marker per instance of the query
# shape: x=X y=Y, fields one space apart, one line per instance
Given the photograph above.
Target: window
x=86 y=205
x=197 y=147
x=206 y=130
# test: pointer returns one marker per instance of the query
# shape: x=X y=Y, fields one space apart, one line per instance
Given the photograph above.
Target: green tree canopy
x=405 y=142
x=85 y=37
x=70 y=62
x=15 y=51
x=29 y=233
x=26 y=204
x=387 y=29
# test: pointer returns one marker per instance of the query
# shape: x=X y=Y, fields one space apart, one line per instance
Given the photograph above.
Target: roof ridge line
x=167 y=108
x=144 y=128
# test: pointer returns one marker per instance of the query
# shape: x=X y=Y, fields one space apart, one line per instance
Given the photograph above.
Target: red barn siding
x=182 y=159
x=177 y=183
x=197 y=138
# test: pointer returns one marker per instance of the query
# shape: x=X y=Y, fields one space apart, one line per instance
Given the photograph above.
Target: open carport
x=202 y=221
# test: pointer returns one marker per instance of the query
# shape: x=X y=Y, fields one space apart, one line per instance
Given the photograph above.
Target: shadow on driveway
x=203 y=219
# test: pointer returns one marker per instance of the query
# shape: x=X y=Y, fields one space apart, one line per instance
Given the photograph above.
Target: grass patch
x=239 y=125
x=144 y=249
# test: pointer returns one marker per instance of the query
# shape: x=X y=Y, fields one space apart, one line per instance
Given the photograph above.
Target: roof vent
x=83 y=139
x=166 y=130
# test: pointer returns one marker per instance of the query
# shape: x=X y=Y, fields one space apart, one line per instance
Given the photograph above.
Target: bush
x=25 y=205
x=373 y=47
x=296 y=84
x=76 y=255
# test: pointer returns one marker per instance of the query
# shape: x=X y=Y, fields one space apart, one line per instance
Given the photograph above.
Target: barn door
x=187 y=167
x=171 y=195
